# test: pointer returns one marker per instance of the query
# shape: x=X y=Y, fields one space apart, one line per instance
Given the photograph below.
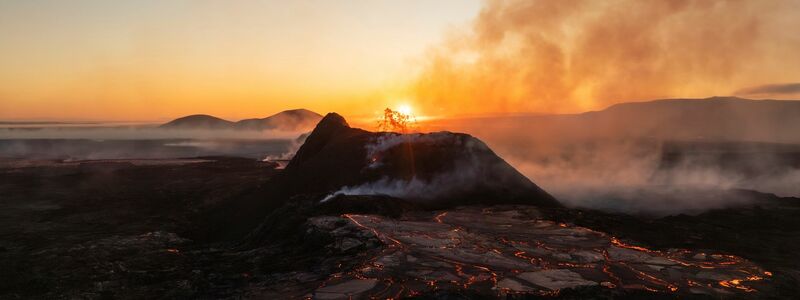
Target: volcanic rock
x=345 y=290
x=555 y=279
x=491 y=252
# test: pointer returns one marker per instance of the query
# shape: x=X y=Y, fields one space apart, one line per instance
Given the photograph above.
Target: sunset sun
x=405 y=109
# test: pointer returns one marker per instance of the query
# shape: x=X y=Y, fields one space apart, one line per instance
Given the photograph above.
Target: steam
x=639 y=174
x=466 y=172
x=635 y=174
x=283 y=159
x=628 y=183
x=391 y=140
x=579 y=55
x=413 y=189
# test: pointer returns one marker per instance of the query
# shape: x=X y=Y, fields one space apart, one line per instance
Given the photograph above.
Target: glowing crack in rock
x=508 y=250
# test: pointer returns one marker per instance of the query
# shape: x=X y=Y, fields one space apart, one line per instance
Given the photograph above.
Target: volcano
x=340 y=169
x=434 y=170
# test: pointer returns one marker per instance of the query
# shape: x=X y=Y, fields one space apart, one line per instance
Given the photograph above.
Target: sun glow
x=405 y=109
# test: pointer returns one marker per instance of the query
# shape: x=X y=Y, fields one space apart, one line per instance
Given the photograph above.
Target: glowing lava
x=400 y=120
x=499 y=252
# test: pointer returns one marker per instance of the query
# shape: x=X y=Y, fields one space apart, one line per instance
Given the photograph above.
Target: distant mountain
x=198 y=122
x=710 y=119
x=716 y=118
x=285 y=120
x=295 y=119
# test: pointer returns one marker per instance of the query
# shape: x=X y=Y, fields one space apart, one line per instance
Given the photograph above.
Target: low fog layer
x=141 y=142
x=138 y=133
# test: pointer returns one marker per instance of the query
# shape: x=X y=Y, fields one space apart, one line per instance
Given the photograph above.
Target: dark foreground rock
x=122 y=230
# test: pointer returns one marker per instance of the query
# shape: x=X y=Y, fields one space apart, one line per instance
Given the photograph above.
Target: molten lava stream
x=374 y=231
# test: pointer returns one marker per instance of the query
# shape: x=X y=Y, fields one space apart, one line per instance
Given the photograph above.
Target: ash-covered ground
x=230 y=228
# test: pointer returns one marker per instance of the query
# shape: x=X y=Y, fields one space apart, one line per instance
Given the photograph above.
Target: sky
x=158 y=60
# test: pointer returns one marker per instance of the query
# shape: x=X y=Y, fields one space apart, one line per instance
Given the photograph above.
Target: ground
x=123 y=229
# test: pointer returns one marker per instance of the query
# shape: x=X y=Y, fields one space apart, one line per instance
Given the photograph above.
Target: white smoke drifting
x=283 y=159
x=467 y=172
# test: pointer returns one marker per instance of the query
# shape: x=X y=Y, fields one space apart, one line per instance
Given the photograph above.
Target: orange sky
x=157 y=60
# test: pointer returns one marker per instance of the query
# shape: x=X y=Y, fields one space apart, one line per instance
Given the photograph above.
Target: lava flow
x=502 y=251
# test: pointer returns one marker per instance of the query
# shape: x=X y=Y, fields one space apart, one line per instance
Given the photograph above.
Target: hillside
x=288 y=120
x=716 y=118
x=285 y=120
x=198 y=122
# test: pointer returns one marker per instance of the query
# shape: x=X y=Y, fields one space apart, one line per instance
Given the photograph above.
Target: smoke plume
x=578 y=55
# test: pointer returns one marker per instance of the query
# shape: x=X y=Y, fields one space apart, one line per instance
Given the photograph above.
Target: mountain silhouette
x=198 y=122
x=285 y=120
x=288 y=120
x=709 y=119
